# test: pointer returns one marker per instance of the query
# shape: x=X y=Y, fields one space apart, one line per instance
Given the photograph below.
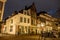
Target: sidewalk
x=1 y=35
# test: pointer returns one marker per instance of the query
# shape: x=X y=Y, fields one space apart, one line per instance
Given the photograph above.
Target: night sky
x=16 y=5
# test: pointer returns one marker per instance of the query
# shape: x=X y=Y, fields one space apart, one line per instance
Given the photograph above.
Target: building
x=27 y=21
x=46 y=23
x=2 y=5
x=22 y=22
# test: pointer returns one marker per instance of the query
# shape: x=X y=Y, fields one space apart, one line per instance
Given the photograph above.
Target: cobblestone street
x=26 y=37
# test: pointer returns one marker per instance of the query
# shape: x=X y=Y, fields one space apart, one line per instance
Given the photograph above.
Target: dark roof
x=41 y=12
x=21 y=11
x=30 y=7
x=6 y=18
x=14 y=13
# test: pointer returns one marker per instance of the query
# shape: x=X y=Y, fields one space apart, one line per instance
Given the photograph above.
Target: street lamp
x=42 y=24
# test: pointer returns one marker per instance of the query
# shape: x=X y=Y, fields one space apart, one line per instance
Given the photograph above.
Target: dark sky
x=16 y=5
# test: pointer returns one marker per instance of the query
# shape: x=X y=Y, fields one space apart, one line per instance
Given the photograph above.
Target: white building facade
x=21 y=22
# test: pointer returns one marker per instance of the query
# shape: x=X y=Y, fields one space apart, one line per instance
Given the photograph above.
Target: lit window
x=28 y=20
x=11 y=20
x=24 y=20
x=32 y=22
x=26 y=29
x=21 y=19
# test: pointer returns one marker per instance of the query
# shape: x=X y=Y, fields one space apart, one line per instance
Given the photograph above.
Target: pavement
x=24 y=37
x=3 y=35
x=20 y=37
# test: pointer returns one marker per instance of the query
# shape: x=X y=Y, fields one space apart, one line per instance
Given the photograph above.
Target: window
x=21 y=19
x=22 y=27
x=11 y=20
x=32 y=22
x=28 y=20
x=5 y=28
x=28 y=29
x=25 y=28
x=11 y=28
x=24 y=20
x=0 y=16
x=42 y=19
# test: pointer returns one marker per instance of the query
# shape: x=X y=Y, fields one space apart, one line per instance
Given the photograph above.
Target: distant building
x=47 y=22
